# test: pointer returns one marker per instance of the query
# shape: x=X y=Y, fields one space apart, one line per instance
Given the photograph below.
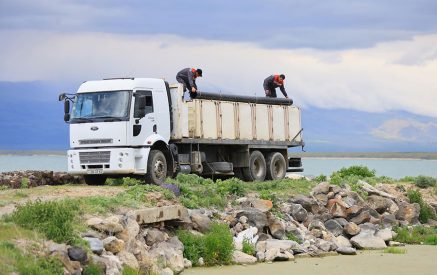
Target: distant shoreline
x=346 y=155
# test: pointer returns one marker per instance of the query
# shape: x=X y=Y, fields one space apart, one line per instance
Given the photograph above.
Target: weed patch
x=248 y=248
x=395 y=250
x=426 y=211
x=417 y=235
x=424 y=182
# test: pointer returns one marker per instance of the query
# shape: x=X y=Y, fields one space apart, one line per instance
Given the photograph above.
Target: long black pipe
x=242 y=98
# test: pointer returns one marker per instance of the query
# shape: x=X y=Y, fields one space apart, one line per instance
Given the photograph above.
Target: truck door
x=141 y=128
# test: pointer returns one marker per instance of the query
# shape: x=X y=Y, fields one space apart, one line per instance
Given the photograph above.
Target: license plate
x=94 y=171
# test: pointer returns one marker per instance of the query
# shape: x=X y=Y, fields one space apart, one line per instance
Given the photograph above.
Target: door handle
x=155 y=130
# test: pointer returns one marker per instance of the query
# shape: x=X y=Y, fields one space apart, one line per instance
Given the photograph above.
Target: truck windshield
x=89 y=107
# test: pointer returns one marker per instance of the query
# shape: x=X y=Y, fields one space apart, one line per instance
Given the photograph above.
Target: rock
x=294 y=176
x=72 y=267
x=386 y=234
x=393 y=243
x=337 y=208
x=261 y=205
x=96 y=245
x=255 y=218
x=239 y=257
x=77 y=254
x=113 y=264
x=238 y=228
x=366 y=240
x=263 y=237
x=274 y=254
x=408 y=212
x=316 y=224
x=200 y=222
x=248 y=235
x=378 y=203
x=169 y=256
x=321 y=198
x=393 y=207
x=346 y=251
x=53 y=247
x=321 y=188
x=113 y=244
x=282 y=245
x=277 y=229
x=128 y=259
x=298 y=212
x=388 y=220
x=187 y=263
x=153 y=235
x=323 y=245
x=316 y=233
x=307 y=203
x=201 y=262
x=362 y=217
x=261 y=256
x=166 y=271
x=342 y=241
x=352 y=229
x=343 y=222
x=368 y=228
x=243 y=219
x=334 y=227
x=130 y=231
x=110 y=225
x=373 y=191
x=176 y=243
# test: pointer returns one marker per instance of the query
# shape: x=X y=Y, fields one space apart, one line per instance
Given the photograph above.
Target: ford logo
x=94 y=128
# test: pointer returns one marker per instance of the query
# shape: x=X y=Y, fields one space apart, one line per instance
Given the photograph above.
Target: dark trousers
x=187 y=87
x=272 y=92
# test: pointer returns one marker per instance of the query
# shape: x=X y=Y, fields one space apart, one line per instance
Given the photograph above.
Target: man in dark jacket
x=272 y=82
x=188 y=77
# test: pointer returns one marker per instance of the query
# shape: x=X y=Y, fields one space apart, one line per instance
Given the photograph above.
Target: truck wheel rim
x=278 y=168
x=256 y=168
x=159 y=169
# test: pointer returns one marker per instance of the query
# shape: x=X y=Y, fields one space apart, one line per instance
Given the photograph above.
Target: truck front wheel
x=257 y=167
x=94 y=179
x=276 y=166
x=156 y=168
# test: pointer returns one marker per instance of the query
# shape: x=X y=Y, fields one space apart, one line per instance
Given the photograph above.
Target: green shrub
x=357 y=170
x=24 y=183
x=193 y=245
x=424 y=182
x=248 y=248
x=395 y=250
x=215 y=247
x=290 y=236
x=426 y=212
x=320 y=178
x=127 y=270
x=232 y=186
x=416 y=235
x=52 y=218
x=219 y=245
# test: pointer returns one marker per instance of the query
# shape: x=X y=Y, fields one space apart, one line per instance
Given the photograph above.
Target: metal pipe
x=247 y=99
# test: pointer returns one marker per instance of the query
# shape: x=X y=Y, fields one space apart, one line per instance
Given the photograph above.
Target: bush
x=426 y=212
x=320 y=178
x=424 y=182
x=248 y=248
x=215 y=247
x=193 y=245
x=92 y=269
x=219 y=245
x=52 y=218
x=357 y=170
x=395 y=250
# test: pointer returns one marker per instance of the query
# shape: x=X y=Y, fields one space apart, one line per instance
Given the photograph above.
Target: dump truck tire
x=276 y=166
x=257 y=167
x=156 y=168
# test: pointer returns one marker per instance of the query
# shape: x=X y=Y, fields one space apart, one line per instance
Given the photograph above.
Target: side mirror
x=62 y=97
x=66 y=110
x=141 y=105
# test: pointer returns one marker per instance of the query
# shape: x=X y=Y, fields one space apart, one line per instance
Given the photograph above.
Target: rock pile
x=36 y=178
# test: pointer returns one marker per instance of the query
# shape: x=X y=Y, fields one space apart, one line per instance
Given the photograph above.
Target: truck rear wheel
x=257 y=167
x=156 y=168
x=94 y=179
x=276 y=166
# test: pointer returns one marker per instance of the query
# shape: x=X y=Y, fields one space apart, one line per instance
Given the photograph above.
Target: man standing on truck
x=272 y=82
x=188 y=77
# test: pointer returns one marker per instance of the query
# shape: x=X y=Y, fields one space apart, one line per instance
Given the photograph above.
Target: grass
x=215 y=247
x=248 y=248
x=417 y=235
x=395 y=250
x=13 y=260
x=424 y=181
x=290 y=236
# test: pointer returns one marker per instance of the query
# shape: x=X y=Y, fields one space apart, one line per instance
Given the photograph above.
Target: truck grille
x=95 y=141
x=94 y=157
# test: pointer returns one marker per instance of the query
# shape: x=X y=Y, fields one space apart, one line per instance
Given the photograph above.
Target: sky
x=363 y=72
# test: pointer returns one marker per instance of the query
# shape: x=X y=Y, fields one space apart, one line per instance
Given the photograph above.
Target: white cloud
x=406 y=130
x=376 y=79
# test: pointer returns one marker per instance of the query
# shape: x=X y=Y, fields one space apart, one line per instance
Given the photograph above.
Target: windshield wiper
x=82 y=119
x=109 y=118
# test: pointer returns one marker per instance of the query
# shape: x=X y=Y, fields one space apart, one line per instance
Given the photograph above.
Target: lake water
x=395 y=168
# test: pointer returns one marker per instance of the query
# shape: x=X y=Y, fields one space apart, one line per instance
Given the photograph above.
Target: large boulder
x=378 y=203
x=386 y=234
x=168 y=255
x=337 y=208
x=346 y=250
x=248 y=235
x=200 y=222
x=255 y=217
x=110 y=225
x=239 y=257
x=334 y=227
x=408 y=212
x=321 y=188
x=309 y=204
x=298 y=212
x=128 y=259
x=114 y=245
x=96 y=245
x=352 y=229
x=362 y=217
x=77 y=254
x=367 y=240
x=342 y=241
x=153 y=235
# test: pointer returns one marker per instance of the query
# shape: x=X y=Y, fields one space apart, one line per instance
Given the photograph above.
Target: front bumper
x=108 y=161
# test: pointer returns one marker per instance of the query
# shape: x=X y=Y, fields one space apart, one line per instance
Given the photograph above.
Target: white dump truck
x=143 y=127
